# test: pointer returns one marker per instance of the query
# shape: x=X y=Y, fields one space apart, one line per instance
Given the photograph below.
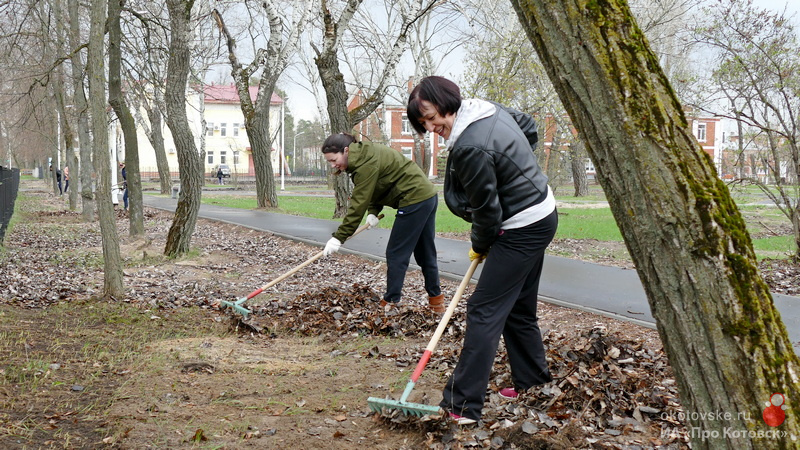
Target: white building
x=225 y=137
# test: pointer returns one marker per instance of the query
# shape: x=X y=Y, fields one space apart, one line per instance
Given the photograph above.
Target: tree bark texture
x=180 y=232
x=256 y=120
x=265 y=180
x=67 y=135
x=59 y=88
x=577 y=154
x=112 y=261
x=117 y=101
x=156 y=138
x=336 y=94
x=85 y=169
x=714 y=313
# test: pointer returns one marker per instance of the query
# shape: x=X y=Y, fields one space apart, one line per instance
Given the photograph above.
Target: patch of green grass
x=769 y=246
x=322 y=208
x=587 y=223
x=573 y=222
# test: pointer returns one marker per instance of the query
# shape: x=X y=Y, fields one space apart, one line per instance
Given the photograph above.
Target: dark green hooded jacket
x=381 y=176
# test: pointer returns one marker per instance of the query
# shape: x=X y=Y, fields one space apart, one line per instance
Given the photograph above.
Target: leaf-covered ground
x=164 y=367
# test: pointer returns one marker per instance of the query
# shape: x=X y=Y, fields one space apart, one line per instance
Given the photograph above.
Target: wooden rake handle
x=444 y=321
x=301 y=266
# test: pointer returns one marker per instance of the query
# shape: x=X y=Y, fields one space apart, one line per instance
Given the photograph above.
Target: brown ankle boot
x=436 y=304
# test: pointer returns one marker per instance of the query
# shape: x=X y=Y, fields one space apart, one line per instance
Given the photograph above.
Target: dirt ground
x=165 y=367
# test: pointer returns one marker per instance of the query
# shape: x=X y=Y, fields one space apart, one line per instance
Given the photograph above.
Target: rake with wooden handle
x=237 y=305
x=419 y=409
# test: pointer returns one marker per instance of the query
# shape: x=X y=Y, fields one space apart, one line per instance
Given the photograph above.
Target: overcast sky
x=303 y=105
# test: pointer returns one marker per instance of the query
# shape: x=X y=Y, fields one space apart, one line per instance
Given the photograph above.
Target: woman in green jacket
x=383 y=177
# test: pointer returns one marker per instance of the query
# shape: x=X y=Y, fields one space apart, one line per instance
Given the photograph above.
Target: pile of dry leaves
x=607 y=390
x=610 y=390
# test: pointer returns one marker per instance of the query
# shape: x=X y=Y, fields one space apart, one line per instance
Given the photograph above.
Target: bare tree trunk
x=156 y=138
x=327 y=62
x=576 y=155
x=336 y=94
x=274 y=59
x=189 y=162
x=84 y=170
x=422 y=154
x=66 y=134
x=117 y=101
x=112 y=262
x=714 y=313
x=259 y=138
x=70 y=162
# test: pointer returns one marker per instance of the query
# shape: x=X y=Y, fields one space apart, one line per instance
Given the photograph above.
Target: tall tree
x=429 y=41
x=714 y=313
x=60 y=42
x=145 y=68
x=758 y=75
x=112 y=262
x=333 y=81
x=503 y=68
x=189 y=160
x=283 y=37
x=117 y=101
x=82 y=110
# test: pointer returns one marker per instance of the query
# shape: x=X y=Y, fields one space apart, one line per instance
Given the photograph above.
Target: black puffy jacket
x=492 y=173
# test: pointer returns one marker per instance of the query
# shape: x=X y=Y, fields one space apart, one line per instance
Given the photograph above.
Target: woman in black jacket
x=493 y=181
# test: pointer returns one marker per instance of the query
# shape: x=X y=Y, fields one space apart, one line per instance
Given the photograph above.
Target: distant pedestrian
x=124 y=186
x=220 y=175
x=66 y=178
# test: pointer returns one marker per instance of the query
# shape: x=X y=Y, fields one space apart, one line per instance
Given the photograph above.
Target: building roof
x=226 y=93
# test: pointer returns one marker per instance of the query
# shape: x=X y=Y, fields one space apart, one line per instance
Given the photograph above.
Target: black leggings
x=504 y=303
x=414 y=231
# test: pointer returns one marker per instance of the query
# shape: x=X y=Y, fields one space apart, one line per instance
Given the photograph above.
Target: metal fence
x=9 y=185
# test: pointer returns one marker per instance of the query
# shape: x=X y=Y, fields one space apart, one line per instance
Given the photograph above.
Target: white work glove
x=372 y=221
x=332 y=246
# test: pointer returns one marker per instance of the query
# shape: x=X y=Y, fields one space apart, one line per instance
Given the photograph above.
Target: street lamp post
x=283 y=139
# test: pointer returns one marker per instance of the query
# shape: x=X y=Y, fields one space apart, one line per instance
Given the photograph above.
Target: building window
x=406 y=125
x=701 y=132
x=442 y=142
x=235 y=156
x=223 y=157
x=235 y=130
x=408 y=152
x=223 y=130
x=210 y=157
x=209 y=128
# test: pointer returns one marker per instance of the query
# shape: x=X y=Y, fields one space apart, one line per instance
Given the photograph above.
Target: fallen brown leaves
x=607 y=391
x=610 y=390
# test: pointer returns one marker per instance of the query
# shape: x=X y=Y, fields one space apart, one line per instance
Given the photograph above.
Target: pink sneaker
x=509 y=393
x=462 y=420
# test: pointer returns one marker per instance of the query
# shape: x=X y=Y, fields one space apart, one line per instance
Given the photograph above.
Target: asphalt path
x=604 y=290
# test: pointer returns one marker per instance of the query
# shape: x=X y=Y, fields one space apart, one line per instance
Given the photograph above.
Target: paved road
x=604 y=290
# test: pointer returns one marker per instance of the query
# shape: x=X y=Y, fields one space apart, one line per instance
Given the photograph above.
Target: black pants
x=414 y=231
x=504 y=303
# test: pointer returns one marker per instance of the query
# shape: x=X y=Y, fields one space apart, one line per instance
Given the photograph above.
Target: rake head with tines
x=411 y=409
x=237 y=306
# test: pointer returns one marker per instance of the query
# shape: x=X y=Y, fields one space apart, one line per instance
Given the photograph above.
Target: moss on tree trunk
x=715 y=315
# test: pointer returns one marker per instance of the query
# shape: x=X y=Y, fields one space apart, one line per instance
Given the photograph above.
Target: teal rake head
x=237 y=306
x=410 y=409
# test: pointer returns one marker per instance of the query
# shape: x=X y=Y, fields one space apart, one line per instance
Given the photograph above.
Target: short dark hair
x=336 y=143
x=442 y=93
